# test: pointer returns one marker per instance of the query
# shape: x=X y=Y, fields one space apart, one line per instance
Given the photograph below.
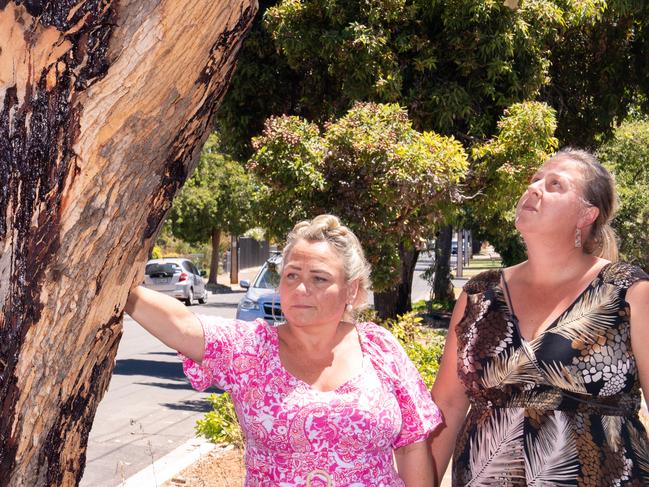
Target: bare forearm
x=168 y=320
x=444 y=438
x=415 y=465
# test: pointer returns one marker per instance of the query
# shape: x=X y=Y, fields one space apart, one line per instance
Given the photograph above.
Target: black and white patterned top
x=561 y=409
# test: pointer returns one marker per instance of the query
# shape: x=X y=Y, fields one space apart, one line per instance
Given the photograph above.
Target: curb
x=171 y=464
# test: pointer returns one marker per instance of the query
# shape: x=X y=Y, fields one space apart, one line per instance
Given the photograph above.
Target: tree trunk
x=442 y=285
x=103 y=110
x=214 y=262
x=409 y=258
x=234 y=259
x=385 y=303
x=476 y=245
x=398 y=300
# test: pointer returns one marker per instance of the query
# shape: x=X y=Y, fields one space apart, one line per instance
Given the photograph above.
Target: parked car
x=176 y=277
x=262 y=299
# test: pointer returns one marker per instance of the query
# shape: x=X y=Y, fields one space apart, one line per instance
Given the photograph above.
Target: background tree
x=455 y=65
x=387 y=181
x=627 y=156
x=216 y=199
x=103 y=109
x=418 y=54
x=598 y=64
x=502 y=168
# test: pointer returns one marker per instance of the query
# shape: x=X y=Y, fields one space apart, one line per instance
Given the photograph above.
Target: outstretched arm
x=168 y=320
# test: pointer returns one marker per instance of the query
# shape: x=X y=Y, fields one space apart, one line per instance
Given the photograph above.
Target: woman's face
x=313 y=288
x=553 y=200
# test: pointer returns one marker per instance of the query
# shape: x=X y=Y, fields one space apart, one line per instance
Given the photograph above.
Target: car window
x=195 y=269
x=187 y=266
x=268 y=279
x=161 y=269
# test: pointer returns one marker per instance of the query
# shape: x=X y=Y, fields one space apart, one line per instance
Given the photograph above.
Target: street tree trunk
x=103 y=110
x=442 y=285
x=214 y=262
x=234 y=259
x=398 y=299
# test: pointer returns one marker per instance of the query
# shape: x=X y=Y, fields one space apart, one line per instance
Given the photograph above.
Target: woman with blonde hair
x=322 y=399
x=548 y=356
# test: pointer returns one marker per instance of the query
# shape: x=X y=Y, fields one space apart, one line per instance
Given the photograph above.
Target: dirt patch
x=222 y=467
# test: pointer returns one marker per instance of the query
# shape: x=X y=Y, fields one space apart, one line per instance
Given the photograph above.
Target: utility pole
x=460 y=253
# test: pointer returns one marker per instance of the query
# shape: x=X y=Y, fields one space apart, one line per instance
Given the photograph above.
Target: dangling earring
x=349 y=308
x=577 y=237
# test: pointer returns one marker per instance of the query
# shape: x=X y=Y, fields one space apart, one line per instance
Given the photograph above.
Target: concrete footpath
x=149 y=409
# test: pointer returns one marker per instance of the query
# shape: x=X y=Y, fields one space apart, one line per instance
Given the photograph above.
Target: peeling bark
x=104 y=106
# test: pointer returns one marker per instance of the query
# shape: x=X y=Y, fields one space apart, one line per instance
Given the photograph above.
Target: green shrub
x=220 y=425
x=423 y=346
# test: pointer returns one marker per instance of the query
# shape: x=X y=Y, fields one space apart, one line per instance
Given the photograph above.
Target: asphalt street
x=150 y=408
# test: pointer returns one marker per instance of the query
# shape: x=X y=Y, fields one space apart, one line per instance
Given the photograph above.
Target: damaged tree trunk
x=104 y=106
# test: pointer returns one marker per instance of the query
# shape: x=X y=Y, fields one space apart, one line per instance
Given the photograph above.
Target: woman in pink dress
x=322 y=400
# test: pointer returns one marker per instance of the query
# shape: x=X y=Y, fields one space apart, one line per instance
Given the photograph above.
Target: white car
x=262 y=299
x=176 y=277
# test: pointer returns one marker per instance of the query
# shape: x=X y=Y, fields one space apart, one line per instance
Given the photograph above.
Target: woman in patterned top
x=550 y=354
x=322 y=400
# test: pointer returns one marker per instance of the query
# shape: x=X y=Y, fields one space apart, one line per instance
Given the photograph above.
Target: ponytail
x=605 y=243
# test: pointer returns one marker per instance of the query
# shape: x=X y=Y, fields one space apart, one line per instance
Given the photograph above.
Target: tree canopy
x=627 y=156
x=502 y=167
x=456 y=66
x=218 y=195
x=217 y=198
x=386 y=180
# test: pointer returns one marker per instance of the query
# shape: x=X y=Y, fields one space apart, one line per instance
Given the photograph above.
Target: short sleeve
x=419 y=414
x=483 y=281
x=230 y=353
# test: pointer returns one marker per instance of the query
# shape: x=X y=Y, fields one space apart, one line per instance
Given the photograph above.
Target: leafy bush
x=220 y=425
x=425 y=306
x=423 y=346
x=627 y=155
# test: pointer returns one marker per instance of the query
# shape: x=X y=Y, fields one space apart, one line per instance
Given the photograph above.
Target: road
x=149 y=408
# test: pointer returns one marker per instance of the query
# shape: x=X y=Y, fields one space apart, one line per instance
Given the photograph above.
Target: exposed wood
x=103 y=110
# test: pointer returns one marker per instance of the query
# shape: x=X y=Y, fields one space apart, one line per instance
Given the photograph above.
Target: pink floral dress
x=296 y=435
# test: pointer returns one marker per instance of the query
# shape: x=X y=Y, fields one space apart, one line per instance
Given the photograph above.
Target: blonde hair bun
x=328 y=228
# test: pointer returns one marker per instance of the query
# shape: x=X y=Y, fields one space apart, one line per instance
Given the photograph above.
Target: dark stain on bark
x=227 y=43
x=184 y=146
x=75 y=412
x=36 y=138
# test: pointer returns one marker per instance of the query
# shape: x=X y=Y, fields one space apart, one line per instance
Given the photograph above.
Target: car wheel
x=203 y=299
x=190 y=297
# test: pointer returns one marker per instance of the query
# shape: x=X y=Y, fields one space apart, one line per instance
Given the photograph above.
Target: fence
x=252 y=253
